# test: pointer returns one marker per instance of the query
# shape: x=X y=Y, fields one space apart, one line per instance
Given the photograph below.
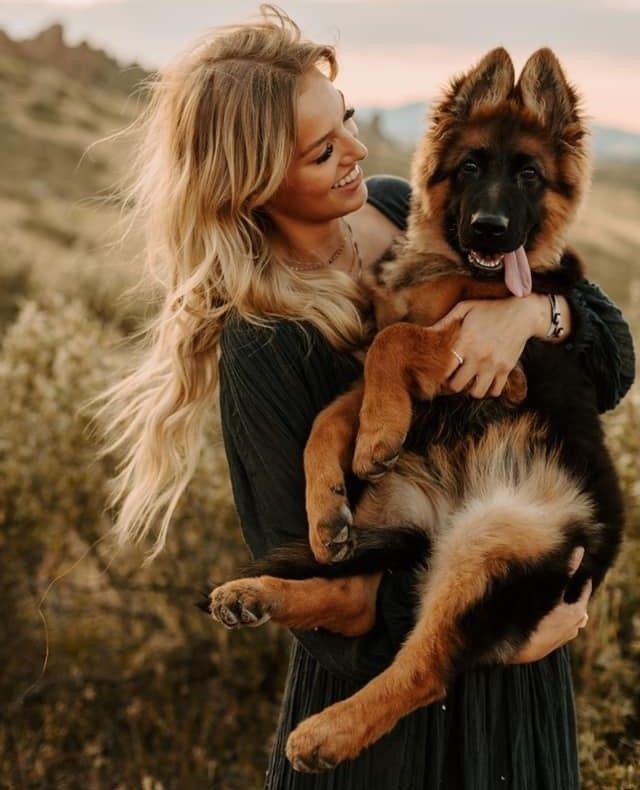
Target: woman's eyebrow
x=324 y=137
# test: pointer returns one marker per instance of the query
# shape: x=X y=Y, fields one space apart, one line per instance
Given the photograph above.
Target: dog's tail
x=376 y=549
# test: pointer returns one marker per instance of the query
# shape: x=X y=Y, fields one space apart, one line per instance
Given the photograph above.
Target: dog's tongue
x=517 y=274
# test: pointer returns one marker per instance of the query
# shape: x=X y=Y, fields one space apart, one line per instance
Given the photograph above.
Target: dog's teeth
x=485 y=263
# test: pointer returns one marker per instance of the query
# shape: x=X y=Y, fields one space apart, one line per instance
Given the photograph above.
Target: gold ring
x=458 y=357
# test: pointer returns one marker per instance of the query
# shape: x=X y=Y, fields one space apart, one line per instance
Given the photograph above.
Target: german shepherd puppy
x=488 y=497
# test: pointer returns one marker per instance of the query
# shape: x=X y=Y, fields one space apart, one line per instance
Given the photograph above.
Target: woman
x=251 y=188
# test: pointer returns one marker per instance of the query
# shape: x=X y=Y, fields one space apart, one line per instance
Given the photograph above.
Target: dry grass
x=139 y=688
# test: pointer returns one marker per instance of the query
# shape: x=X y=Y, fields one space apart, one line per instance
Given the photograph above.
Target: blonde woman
x=258 y=216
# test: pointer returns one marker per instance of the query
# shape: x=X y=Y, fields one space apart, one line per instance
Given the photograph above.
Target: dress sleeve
x=391 y=196
x=272 y=385
x=603 y=341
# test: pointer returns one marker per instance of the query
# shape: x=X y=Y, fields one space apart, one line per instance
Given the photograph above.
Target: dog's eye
x=469 y=167
x=529 y=174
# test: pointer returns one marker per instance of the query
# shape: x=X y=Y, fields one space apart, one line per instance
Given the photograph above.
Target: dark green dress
x=500 y=727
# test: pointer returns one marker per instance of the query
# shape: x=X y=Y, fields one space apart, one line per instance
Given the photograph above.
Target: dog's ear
x=487 y=84
x=544 y=90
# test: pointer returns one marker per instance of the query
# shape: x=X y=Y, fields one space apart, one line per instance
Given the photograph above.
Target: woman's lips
x=350 y=180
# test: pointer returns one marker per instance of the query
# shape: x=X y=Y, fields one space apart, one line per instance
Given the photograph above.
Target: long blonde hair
x=216 y=140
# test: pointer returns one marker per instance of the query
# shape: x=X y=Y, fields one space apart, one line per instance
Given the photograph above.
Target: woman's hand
x=561 y=625
x=492 y=338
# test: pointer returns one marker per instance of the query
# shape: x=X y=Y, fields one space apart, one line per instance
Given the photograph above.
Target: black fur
x=378 y=548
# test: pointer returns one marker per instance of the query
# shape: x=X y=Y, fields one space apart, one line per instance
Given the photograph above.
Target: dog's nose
x=485 y=224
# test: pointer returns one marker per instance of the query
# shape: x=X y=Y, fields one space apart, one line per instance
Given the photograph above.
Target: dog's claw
x=248 y=617
x=381 y=467
x=326 y=765
x=342 y=536
x=300 y=766
x=347 y=515
x=313 y=765
x=342 y=553
x=228 y=617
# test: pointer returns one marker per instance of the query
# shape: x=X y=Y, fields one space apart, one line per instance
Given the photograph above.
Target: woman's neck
x=310 y=242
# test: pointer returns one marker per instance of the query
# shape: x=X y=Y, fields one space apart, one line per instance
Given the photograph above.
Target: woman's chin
x=351 y=197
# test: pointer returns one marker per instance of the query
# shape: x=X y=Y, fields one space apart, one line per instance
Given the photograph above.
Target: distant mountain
x=406 y=123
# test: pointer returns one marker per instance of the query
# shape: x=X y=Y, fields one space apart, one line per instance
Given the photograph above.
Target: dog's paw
x=331 y=521
x=317 y=744
x=240 y=604
x=376 y=453
x=515 y=390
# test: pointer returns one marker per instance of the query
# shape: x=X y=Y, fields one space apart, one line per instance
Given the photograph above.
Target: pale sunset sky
x=390 y=51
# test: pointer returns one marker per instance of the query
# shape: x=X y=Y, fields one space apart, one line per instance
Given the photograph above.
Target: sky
x=390 y=51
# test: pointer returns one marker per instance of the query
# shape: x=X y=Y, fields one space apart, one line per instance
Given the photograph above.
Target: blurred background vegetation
x=139 y=689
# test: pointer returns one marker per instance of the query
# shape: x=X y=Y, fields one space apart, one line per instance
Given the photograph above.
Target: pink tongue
x=517 y=274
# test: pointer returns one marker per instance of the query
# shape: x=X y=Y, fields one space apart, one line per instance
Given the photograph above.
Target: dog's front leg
x=404 y=361
x=346 y=606
x=327 y=459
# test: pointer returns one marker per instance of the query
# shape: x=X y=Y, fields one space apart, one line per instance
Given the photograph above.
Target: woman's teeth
x=351 y=176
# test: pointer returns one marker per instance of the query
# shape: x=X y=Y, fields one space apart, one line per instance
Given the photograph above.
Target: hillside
x=57 y=101
x=128 y=685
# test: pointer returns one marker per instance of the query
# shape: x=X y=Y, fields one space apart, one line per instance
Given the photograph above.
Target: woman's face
x=324 y=180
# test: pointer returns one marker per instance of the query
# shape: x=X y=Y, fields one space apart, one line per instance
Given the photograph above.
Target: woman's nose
x=357 y=150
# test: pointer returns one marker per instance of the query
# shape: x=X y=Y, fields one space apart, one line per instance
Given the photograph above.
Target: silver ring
x=458 y=357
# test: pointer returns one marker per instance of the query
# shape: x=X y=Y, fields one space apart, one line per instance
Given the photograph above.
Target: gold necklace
x=356 y=259
x=312 y=267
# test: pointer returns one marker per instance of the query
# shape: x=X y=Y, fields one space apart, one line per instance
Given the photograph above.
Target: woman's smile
x=351 y=180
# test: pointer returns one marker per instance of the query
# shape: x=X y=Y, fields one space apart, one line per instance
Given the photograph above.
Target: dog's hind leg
x=346 y=606
x=483 y=543
x=327 y=460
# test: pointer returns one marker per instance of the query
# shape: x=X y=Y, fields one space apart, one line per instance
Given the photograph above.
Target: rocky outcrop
x=81 y=62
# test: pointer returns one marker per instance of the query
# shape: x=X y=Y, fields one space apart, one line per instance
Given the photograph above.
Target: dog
x=486 y=498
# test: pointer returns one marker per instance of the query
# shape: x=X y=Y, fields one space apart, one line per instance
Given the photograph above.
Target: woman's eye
x=349 y=113
x=325 y=154
x=470 y=167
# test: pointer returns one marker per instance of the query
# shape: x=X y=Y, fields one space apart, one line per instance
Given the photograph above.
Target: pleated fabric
x=500 y=727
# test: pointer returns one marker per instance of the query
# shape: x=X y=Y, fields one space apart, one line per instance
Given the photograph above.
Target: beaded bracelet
x=555 y=327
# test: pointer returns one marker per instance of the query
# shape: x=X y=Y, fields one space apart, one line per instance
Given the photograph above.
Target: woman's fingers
x=499 y=383
x=461 y=378
x=583 y=600
x=481 y=385
x=575 y=559
x=561 y=625
x=579 y=609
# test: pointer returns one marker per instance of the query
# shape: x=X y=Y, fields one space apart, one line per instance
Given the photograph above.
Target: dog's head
x=502 y=169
